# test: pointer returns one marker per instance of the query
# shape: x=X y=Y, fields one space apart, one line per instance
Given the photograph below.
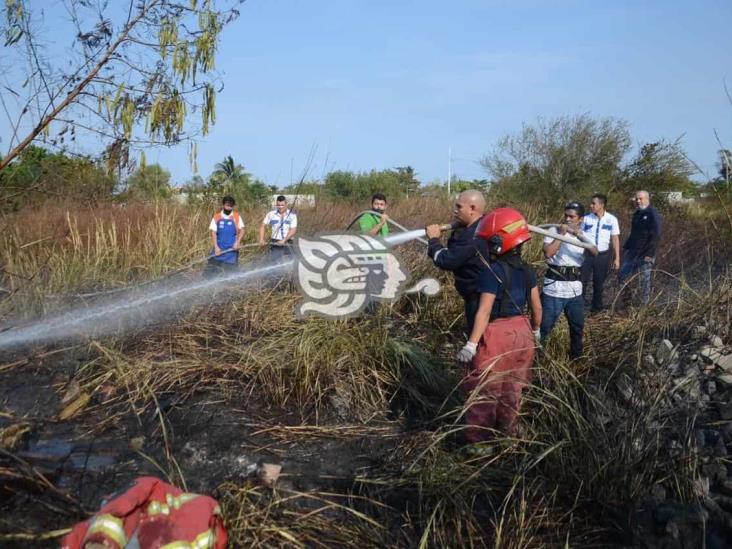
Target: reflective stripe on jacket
x=153 y=514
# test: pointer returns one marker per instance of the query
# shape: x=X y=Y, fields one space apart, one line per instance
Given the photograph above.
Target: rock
x=625 y=386
x=725 y=410
x=724 y=502
x=689 y=386
x=137 y=443
x=716 y=357
x=696 y=513
x=725 y=363
x=666 y=352
x=701 y=439
x=726 y=379
x=649 y=361
x=711 y=387
x=658 y=494
x=269 y=473
x=698 y=332
x=700 y=487
x=720 y=450
x=726 y=486
x=716 y=341
x=694 y=357
x=72 y=393
x=706 y=352
x=715 y=471
x=672 y=530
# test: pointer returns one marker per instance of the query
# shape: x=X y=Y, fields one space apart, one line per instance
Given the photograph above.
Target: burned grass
x=364 y=417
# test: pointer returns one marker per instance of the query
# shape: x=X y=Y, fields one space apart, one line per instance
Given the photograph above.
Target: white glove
x=467 y=353
x=537 y=337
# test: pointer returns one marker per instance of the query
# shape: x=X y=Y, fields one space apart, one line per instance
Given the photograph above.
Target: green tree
x=229 y=171
x=395 y=184
x=230 y=178
x=340 y=184
x=140 y=66
x=304 y=187
x=553 y=161
x=37 y=175
x=658 y=167
x=151 y=182
x=408 y=182
x=724 y=171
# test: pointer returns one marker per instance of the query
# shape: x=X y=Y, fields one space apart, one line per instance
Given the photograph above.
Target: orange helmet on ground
x=504 y=229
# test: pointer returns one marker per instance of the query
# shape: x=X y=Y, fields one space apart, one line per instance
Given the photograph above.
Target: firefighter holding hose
x=461 y=254
x=502 y=342
x=226 y=229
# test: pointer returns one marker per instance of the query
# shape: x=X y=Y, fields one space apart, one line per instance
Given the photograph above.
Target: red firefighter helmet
x=504 y=229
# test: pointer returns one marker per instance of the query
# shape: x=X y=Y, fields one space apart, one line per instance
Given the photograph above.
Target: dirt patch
x=200 y=442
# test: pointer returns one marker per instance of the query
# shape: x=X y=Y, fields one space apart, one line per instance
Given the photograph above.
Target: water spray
x=153 y=301
x=137 y=307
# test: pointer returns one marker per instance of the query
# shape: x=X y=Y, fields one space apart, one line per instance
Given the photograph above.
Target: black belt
x=568 y=274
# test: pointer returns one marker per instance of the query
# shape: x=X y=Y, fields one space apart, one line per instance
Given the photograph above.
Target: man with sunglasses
x=640 y=248
x=562 y=289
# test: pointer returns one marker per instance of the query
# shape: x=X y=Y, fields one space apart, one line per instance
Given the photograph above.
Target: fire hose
x=580 y=240
x=417 y=234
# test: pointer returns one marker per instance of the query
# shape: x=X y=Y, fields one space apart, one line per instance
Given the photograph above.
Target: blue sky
x=378 y=84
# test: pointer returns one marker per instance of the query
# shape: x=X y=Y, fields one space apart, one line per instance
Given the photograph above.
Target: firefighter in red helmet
x=502 y=342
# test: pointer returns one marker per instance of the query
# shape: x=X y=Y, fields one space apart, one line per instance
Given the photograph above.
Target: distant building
x=675 y=197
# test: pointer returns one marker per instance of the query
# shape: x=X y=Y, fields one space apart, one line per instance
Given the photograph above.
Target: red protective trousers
x=500 y=370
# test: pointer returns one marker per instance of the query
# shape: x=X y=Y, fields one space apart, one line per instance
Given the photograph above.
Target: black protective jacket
x=645 y=233
x=461 y=257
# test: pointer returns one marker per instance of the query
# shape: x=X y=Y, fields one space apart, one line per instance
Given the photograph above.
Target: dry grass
x=587 y=454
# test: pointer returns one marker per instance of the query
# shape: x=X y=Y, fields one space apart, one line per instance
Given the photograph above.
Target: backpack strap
x=506 y=299
x=527 y=285
x=507 y=283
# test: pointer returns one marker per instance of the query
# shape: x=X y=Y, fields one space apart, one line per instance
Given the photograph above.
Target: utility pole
x=449 y=171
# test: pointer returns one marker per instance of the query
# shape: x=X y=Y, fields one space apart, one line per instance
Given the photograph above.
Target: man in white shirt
x=603 y=230
x=283 y=226
x=562 y=290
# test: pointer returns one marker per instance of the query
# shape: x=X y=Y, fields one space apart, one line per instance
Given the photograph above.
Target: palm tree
x=228 y=170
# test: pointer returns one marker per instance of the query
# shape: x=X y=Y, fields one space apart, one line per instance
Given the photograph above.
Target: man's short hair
x=229 y=199
x=601 y=197
x=378 y=196
x=577 y=207
x=281 y=198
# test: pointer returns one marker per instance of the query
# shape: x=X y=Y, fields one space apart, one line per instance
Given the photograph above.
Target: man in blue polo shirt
x=603 y=230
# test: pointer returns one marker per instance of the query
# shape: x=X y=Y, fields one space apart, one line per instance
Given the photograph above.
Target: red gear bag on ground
x=150 y=515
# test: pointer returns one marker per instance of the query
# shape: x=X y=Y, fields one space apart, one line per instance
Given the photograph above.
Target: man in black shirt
x=461 y=254
x=641 y=246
